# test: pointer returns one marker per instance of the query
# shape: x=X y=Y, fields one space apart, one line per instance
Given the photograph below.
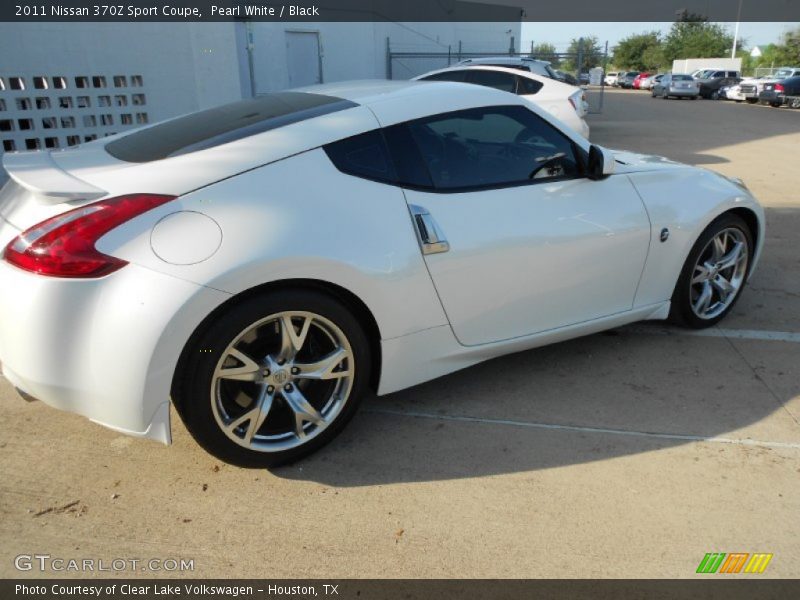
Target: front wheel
x=714 y=273
x=274 y=378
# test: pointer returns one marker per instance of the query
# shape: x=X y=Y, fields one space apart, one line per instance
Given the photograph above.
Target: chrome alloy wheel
x=719 y=273
x=282 y=381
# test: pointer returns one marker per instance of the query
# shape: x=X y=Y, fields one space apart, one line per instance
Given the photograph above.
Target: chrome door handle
x=429 y=235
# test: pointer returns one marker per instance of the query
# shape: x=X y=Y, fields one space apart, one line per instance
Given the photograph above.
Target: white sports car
x=565 y=102
x=264 y=263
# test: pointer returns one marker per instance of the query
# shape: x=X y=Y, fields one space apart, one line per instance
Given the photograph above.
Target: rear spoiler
x=39 y=173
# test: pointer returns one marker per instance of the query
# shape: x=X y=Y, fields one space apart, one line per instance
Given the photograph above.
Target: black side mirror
x=596 y=163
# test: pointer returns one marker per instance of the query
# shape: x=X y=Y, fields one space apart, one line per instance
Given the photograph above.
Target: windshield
x=783 y=73
x=681 y=78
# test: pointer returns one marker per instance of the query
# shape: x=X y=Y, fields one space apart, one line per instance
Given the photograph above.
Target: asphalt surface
x=625 y=454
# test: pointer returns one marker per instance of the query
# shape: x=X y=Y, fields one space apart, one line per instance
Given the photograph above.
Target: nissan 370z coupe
x=261 y=265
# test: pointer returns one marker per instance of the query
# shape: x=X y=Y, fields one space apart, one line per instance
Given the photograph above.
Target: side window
x=527 y=86
x=505 y=82
x=446 y=76
x=364 y=156
x=492 y=146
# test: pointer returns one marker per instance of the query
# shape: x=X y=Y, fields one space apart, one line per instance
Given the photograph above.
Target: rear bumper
x=102 y=348
x=683 y=92
x=771 y=98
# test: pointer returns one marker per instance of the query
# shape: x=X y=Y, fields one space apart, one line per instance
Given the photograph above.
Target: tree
x=697 y=39
x=788 y=52
x=591 y=51
x=545 y=51
x=640 y=51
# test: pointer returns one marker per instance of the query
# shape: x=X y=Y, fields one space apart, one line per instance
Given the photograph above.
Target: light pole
x=736 y=32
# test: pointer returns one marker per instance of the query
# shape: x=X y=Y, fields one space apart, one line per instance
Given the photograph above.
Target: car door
x=516 y=239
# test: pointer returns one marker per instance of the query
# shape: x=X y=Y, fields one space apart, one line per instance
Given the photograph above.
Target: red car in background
x=638 y=80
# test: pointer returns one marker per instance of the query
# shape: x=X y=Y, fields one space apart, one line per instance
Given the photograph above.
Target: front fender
x=684 y=201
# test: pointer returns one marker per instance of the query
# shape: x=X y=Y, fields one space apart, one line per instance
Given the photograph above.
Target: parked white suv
x=611 y=78
x=523 y=63
x=563 y=101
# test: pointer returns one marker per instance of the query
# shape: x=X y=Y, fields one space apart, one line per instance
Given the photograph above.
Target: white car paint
x=528 y=265
x=565 y=102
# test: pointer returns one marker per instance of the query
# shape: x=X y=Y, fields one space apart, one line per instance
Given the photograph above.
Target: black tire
x=714 y=95
x=195 y=384
x=681 y=312
x=694 y=97
x=775 y=104
x=752 y=100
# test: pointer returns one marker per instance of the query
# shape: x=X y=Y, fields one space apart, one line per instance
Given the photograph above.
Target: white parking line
x=578 y=428
x=738 y=334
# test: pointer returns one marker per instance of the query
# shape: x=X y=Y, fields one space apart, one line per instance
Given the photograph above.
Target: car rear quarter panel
x=300 y=218
x=684 y=201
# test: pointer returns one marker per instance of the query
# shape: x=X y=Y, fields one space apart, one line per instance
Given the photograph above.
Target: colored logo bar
x=734 y=562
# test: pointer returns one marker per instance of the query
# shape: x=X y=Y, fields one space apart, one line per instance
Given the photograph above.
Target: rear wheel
x=275 y=378
x=795 y=103
x=714 y=95
x=752 y=100
x=775 y=104
x=714 y=273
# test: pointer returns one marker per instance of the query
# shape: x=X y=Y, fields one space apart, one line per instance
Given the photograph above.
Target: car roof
x=509 y=60
x=396 y=101
x=549 y=81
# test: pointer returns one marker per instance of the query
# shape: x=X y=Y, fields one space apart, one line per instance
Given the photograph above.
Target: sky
x=560 y=34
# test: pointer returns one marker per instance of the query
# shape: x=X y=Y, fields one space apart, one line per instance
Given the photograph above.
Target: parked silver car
x=676 y=84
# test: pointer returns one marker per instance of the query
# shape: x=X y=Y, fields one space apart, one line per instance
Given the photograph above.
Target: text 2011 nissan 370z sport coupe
x=264 y=263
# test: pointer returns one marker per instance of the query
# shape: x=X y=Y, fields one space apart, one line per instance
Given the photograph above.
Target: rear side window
x=498 y=80
x=364 y=156
x=221 y=125
x=446 y=76
x=527 y=86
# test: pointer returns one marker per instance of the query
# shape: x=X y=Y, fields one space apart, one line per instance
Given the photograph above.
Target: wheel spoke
x=702 y=273
x=733 y=257
x=719 y=247
x=324 y=368
x=248 y=371
x=302 y=409
x=291 y=340
x=255 y=417
x=704 y=300
x=723 y=286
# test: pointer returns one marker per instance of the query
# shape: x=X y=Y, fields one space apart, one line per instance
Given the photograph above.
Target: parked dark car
x=713 y=82
x=626 y=79
x=566 y=78
x=786 y=91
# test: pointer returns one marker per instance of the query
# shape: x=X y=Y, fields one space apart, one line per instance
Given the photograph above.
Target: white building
x=63 y=84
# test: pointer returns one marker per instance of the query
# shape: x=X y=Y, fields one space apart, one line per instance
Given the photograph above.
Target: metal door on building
x=303 y=60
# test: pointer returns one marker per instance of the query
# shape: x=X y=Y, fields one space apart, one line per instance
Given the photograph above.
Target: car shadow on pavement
x=604 y=396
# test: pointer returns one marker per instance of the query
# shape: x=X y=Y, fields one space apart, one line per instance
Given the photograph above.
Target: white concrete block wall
x=168 y=69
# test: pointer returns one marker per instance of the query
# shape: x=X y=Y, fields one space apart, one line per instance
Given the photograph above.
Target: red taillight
x=63 y=246
x=779 y=88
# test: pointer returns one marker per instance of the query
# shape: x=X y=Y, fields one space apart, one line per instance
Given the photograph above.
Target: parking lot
x=631 y=453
